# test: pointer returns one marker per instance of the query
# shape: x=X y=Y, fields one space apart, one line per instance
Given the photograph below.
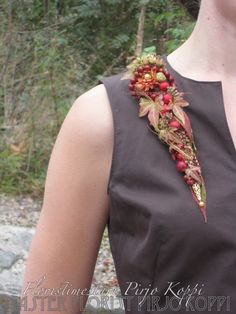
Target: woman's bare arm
x=75 y=204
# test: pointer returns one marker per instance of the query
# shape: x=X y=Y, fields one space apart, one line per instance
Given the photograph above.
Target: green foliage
x=173 y=25
x=147 y=50
x=51 y=52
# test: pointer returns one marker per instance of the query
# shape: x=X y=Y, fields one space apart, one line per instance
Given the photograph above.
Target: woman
x=107 y=164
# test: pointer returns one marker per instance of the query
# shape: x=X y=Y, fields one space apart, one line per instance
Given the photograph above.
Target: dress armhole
x=105 y=82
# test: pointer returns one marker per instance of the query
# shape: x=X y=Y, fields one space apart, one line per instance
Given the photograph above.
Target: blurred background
x=51 y=51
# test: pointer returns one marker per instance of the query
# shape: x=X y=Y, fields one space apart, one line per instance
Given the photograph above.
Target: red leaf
x=187 y=125
x=183 y=119
x=178 y=112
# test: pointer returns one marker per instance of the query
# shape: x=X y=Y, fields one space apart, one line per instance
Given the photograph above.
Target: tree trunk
x=140 y=34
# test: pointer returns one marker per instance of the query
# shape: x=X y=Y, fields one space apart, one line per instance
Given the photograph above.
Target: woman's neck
x=209 y=52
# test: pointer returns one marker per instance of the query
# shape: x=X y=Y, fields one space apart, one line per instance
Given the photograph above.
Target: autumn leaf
x=144 y=106
x=179 y=113
x=152 y=108
x=187 y=125
x=153 y=115
x=183 y=119
x=179 y=100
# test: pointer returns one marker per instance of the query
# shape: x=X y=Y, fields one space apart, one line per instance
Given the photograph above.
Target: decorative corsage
x=159 y=99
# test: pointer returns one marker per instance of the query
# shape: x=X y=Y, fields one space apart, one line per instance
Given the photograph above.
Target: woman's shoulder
x=90 y=116
x=86 y=133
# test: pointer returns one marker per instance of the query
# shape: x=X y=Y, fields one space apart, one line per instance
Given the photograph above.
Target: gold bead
x=147 y=76
x=201 y=204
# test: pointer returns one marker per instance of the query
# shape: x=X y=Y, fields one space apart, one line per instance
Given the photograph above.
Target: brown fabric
x=157 y=234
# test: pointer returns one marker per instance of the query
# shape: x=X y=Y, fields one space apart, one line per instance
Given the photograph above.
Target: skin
x=75 y=205
x=209 y=53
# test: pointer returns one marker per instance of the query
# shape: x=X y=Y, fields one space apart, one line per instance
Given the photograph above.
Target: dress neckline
x=218 y=85
x=165 y=57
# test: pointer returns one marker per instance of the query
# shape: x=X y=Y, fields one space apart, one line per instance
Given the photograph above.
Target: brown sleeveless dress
x=157 y=235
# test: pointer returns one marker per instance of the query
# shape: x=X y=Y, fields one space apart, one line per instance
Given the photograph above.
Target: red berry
x=190 y=182
x=181 y=166
x=179 y=156
x=163 y=86
x=133 y=93
x=147 y=67
x=161 y=70
x=155 y=68
x=153 y=96
x=171 y=80
x=165 y=109
x=186 y=178
x=140 y=69
x=133 y=81
x=131 y=86
x=167 y=74
x=174 y=124
x=167 y=98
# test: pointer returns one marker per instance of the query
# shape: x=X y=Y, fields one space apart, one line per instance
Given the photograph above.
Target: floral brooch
x=159 y=99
